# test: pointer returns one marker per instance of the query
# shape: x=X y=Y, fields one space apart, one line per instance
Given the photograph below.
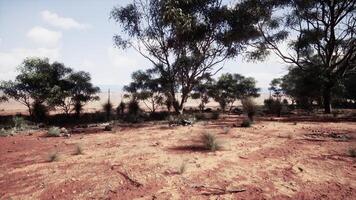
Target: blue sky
x=79 y=34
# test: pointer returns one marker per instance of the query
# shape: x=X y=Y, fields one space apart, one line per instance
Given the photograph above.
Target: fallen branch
x=217 y=191
x=132 y=181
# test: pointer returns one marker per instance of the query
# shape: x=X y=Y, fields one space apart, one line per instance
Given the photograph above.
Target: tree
x=321 y=34
x=231 y=87
x=43 y=84
x=38 y=82
x=146 y=88
x=201 y=92
x=81 y=91
x=184 y=40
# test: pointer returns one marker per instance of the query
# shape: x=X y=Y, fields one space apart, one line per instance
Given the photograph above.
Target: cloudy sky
x=79 y=34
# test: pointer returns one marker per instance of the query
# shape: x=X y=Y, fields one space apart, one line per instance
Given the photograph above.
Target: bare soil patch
x=271 y=160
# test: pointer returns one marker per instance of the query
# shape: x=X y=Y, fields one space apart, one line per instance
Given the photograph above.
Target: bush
x=273 y=106
x=120 y=110
x=107 y=107
x=19 y=123
x=39 y=112
x=249 y=107
x=210 y=142
x=246 y=123
x=78 y=108
x=133 y=108
x=54 y=132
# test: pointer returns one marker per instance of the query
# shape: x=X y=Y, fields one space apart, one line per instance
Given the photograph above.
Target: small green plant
x=182 y=168
x=210 y=142
x=78 y=150
x=352 y=153
x=4 y=133
x=246 y=123
x=53 y=157
x=54 y=132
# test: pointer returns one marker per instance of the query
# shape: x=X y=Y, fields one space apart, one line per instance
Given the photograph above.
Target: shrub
x=246 y=123
x=53 y=157
x=352 y=152
x=107 y=107
x=18 y=122
x=210 y=142
x=215 y=115
x=274 y=106
x=39 y=111
x=54 y=132
x=133 y=108
x=249 y=107
x=120 y=110
x=78 y=108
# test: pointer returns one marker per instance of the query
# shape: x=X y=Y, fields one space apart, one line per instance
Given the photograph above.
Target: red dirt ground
x=271 y=160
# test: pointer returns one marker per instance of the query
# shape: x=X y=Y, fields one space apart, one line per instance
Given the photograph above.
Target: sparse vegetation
x=182 y=168
x=210 y=142
x=54 y=132
x=250 y=108
x=53 y=157
x=19 y=123
x=246 y=123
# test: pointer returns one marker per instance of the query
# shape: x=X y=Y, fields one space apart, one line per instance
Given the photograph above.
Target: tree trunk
x=327 y=100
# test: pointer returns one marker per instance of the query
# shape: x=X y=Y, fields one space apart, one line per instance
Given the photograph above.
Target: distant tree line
x=42 y=86
x=146 y=87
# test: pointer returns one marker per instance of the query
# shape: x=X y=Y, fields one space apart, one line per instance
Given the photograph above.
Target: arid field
x=277 y=158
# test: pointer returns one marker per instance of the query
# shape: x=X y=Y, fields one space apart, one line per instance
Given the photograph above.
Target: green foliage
x=52 y=85
x=39 y=111
x=54 y=132
x=184 y=40
x=19 y=123
x=120 y=110
x=231 y=87
x=246 y=123
x=249 y=107
x=273 y=106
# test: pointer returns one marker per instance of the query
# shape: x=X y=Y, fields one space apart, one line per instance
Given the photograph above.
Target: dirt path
x=276 y=160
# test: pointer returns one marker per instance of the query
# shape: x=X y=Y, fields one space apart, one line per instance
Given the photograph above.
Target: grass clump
x=210 y=142
x=182 y=168
x=246 y=123
x=78 y=150
x=19 y=123
x=53 y=157
x=352 y=153
x=54 y=132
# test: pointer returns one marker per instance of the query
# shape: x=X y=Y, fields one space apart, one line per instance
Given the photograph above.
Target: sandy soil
x=272 y=160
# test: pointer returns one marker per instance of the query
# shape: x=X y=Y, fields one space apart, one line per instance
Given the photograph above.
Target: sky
x=80 y=34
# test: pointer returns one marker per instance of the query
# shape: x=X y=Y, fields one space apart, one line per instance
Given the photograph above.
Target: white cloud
x=120 y=59
x=62 y=22
x=44 y=36
x=13 y=58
